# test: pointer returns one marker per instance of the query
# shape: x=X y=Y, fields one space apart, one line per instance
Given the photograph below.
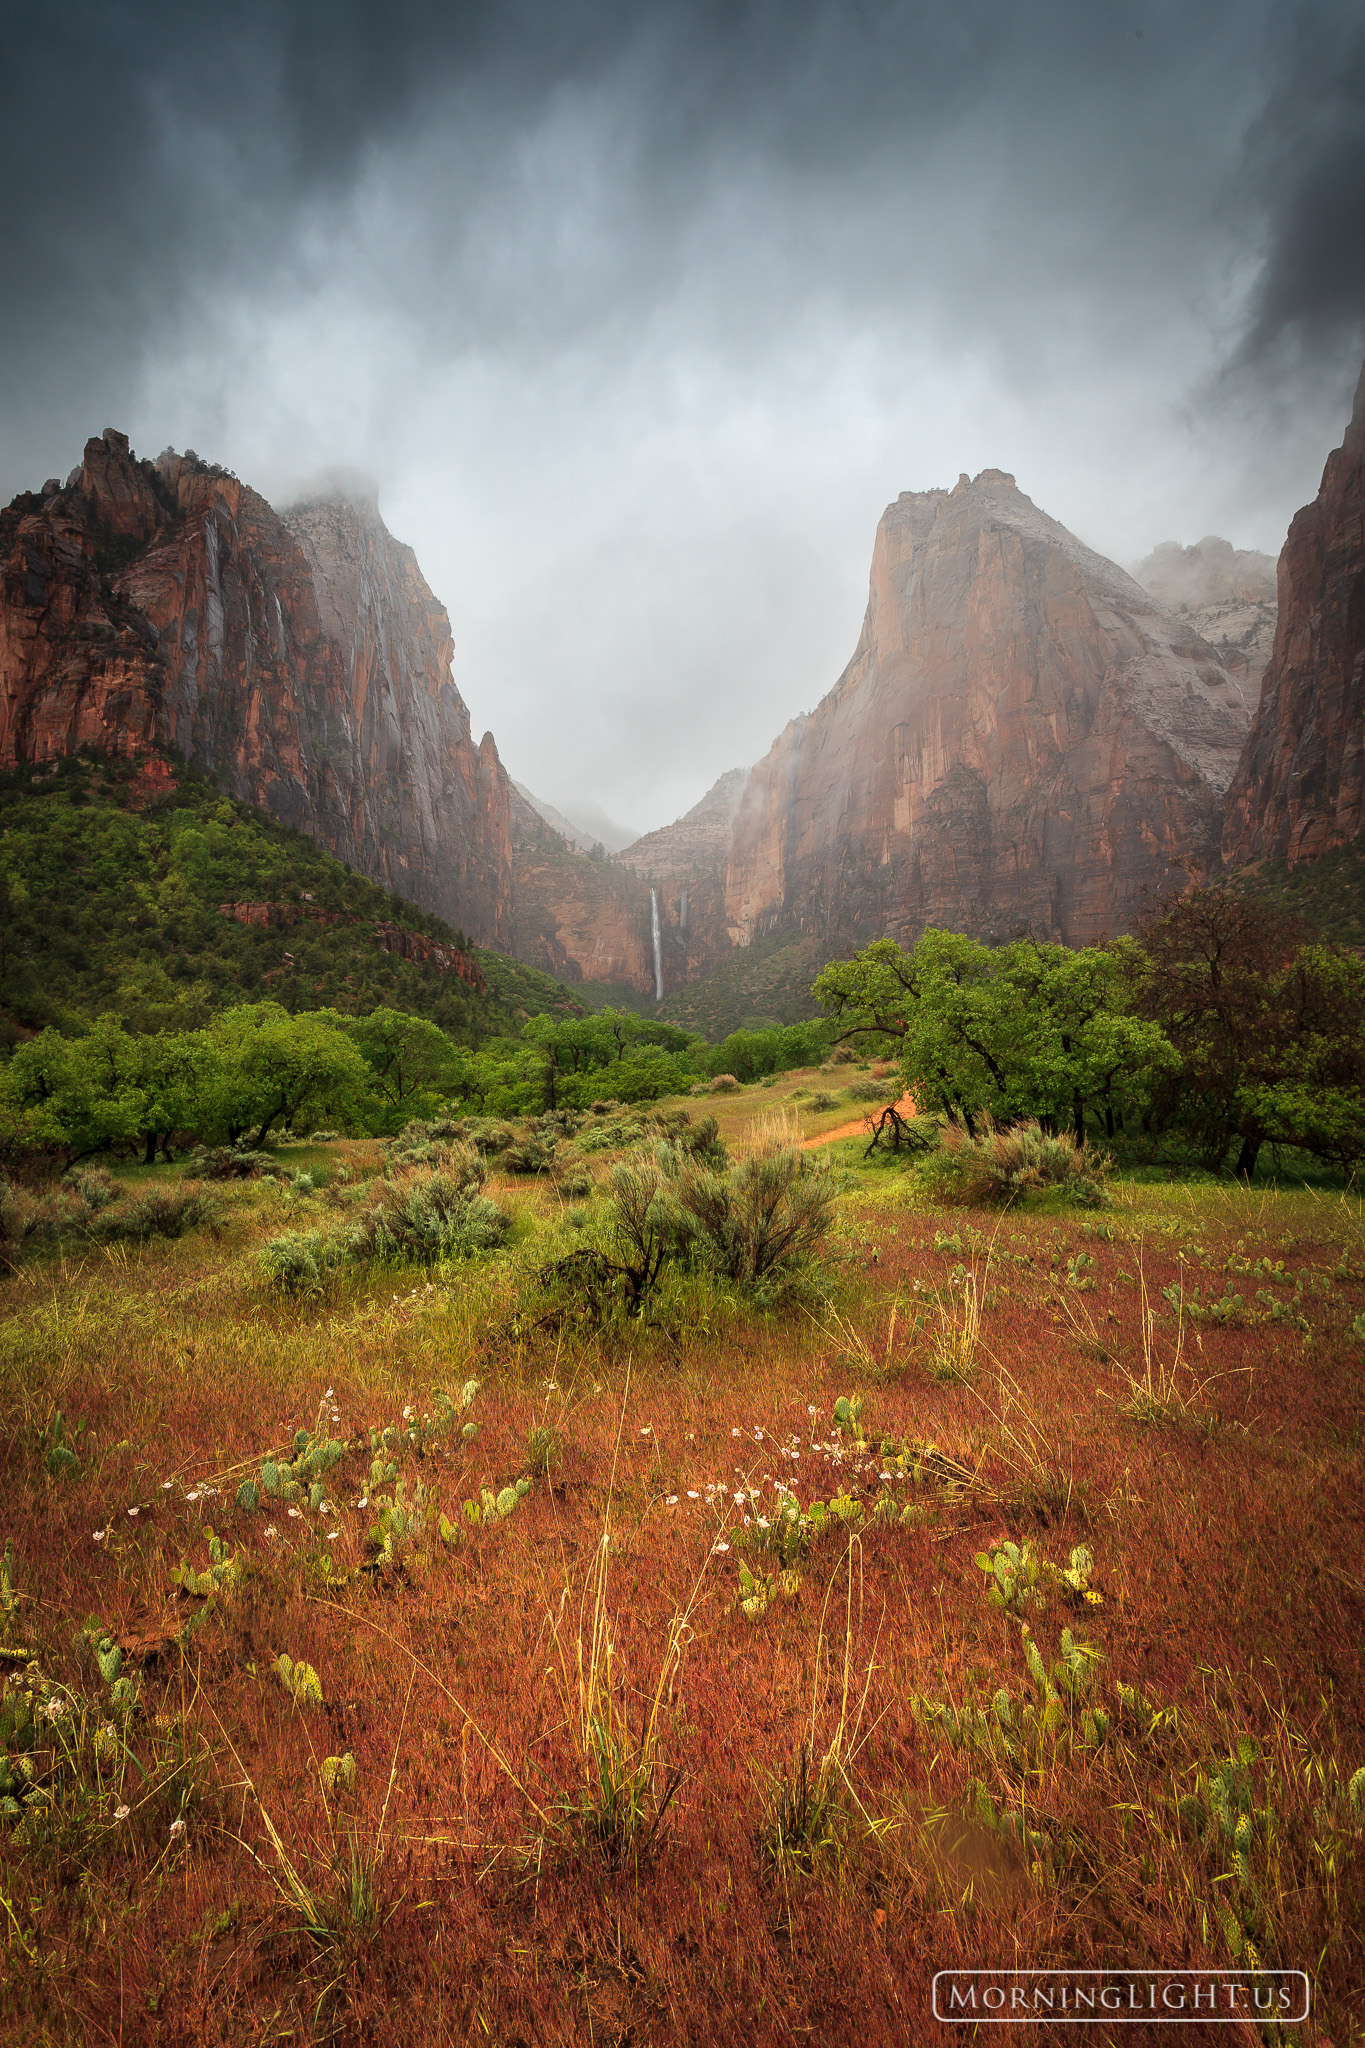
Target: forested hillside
x=111 y=899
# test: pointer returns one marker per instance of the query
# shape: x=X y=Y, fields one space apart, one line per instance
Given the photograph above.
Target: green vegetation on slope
x=768 y=982
x=1328 y=893
x=109 y=909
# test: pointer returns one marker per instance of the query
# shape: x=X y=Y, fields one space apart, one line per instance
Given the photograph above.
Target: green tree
x=1016 y=1031
x=410 y=1058
x=276 y=1068
x=1269 y=1030
x=73 y=1096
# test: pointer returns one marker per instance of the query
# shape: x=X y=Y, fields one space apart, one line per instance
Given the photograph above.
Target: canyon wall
x=591 y=919
x=1024 y=739
x=1300 y=787
x=1227 y=594
x=300 y=660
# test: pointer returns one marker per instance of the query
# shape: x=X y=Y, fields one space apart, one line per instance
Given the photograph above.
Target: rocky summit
x=1027 y=738
x=1024 y=740
x=298 y=658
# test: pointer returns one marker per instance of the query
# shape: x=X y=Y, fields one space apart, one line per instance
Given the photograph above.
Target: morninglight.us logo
x=977 y=1998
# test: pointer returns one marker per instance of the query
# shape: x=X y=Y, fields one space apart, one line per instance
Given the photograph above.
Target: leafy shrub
x=432 y=1218
x=867 y=1091
x=723 y=1084
x=768 y=1214
x=160 y=1212
x=488 y=1134
x=430 y=1143
x=532 y=1154
x=823 y=1100
x=1001 y=1165
x=301 y=1262
x=230 y=1162
x=703 y=1143
x=843 y=1056
x=574 y=1182
x=93 y=1185
x=557 y=1123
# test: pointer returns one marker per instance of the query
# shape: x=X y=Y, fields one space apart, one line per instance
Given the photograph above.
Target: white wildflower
x=122 y=1812
x=177 y=1828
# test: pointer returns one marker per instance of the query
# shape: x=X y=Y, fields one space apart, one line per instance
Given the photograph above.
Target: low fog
x=640 y=315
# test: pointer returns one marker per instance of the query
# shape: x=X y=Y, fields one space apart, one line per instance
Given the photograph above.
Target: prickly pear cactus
x=338 y=1773
x=61 y=1460
x=220 y=1576
x=848 y=1417
x=1074 y=1577
x=300 y=1681
x=1013 y=1573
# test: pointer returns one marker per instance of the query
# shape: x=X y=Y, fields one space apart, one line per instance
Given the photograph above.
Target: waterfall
x=658 y=948
x=682 y=913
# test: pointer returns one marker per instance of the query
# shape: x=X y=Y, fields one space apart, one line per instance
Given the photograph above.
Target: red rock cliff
x=1023 y=739
x=1300 y=787
x=300 y=660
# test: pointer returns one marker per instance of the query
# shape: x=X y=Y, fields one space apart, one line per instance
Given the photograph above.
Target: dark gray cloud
x=640 y=314
x=1306 y=175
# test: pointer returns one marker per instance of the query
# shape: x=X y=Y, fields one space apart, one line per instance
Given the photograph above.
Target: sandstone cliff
x=1024 y=739
x=698 y=843
x=1300 y=787
x=300 y=660
x=1228 y=596
x=593 y=920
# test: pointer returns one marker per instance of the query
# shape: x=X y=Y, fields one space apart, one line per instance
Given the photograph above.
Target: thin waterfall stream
x=658 y=947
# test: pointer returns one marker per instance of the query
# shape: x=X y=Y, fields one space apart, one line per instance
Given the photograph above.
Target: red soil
x=906 y=1106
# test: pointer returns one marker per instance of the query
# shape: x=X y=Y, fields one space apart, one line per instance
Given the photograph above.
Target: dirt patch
x=860 y=1125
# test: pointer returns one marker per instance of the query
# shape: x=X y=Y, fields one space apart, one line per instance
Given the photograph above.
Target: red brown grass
x=1222 y=1542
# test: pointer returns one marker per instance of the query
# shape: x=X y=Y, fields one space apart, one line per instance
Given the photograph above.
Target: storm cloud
x=639 y=314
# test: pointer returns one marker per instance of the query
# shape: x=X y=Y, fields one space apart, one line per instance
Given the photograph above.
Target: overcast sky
x=640 y=314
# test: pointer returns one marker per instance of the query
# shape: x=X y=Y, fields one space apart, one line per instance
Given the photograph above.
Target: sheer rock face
x=1024 y=739
x=592 y=920
x=1300 y=788
x=300 y=660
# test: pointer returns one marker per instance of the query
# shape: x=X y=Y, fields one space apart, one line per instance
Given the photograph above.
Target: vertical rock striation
x=1300 y=786
x=1024 y=739
x=300 y=660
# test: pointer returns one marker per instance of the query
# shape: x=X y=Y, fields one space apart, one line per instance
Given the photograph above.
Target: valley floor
x=549 y=1768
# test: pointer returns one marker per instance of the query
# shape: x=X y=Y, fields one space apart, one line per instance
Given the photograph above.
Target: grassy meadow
x=636 y=1695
